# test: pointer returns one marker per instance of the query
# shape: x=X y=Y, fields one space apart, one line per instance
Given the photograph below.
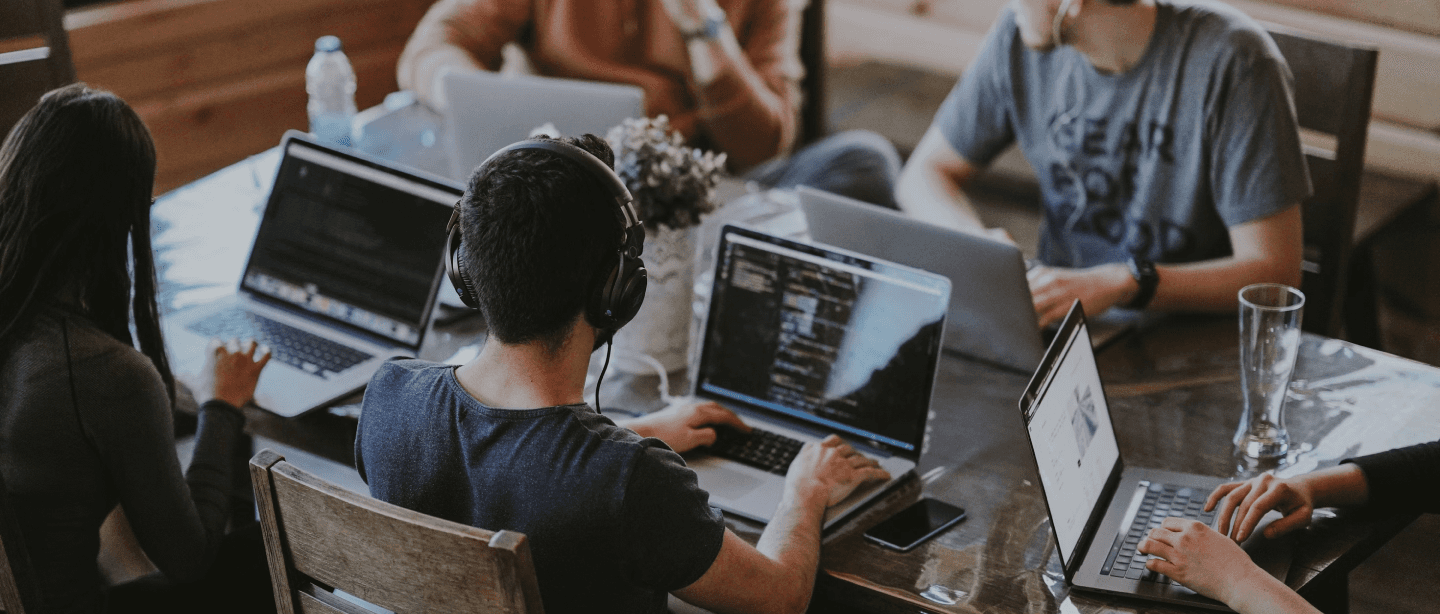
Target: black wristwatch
x=1144 y=273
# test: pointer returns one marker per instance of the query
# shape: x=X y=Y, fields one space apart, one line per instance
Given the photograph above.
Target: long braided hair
x=76 y=177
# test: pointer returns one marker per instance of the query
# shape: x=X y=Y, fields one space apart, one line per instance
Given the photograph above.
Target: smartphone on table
x=924 y=519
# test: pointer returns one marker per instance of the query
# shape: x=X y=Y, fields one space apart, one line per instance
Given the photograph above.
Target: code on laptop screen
x=352 y=243
x=828 y=338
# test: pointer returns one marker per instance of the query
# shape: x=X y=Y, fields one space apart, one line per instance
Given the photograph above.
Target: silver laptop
x=804 y=341
x=487 y=111
x=342 y=276
x=1101 y=509
x=992 y=316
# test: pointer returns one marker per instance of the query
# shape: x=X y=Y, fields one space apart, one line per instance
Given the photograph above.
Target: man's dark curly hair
x=538 y=230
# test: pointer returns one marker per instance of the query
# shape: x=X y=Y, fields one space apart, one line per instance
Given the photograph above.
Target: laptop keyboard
x=1161 y=501
x=310 y=353
x=766 y=450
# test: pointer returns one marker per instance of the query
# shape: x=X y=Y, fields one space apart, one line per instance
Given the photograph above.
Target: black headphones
x=620 y=286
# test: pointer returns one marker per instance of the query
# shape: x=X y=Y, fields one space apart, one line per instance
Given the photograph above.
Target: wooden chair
x=1334 y=83
x=19 y=588
x=812 y=126
x=320 y=538
x=34 y=56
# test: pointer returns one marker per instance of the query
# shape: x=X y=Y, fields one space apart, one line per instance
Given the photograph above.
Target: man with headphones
x=1164 y=138
x=546 y=244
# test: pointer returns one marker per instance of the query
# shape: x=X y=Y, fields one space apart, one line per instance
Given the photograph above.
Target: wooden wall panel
x=218 y=80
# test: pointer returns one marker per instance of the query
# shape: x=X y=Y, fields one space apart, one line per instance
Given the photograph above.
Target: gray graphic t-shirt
x=1158 y=161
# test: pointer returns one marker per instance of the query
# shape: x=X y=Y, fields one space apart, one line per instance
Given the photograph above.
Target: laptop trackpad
x=728 y=484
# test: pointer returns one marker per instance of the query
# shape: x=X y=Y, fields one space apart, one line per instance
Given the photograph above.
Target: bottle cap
x=327 y=43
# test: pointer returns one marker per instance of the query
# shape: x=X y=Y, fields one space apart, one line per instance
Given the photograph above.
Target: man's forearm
x=742 y=114
x=792 y=540
x=928 y=189
x=1213 y=285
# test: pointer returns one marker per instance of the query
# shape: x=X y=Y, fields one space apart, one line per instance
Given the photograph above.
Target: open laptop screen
x=1069 y=426
x=828 y=337
x=353 y=241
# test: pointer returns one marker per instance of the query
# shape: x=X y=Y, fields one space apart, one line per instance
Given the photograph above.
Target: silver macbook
x=992 y=316
x=804 y=341
x=1100 y=509
x=487 y=111
x=342 y=276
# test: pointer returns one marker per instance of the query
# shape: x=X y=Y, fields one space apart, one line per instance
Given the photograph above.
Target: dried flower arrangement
x=673 y=185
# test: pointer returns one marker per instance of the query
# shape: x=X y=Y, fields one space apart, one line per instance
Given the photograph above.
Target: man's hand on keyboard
x=831 y=469
x=685 y=425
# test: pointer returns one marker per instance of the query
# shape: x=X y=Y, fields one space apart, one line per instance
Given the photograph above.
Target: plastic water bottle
x=330 y=81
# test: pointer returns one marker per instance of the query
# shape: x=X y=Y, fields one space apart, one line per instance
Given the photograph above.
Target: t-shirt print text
x=1097 y=162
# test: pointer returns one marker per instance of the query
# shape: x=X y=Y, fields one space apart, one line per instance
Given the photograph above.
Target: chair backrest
x=812 y=56
x=19 y=588
x=34 y=56
x=1334 y=83
x=320 y=537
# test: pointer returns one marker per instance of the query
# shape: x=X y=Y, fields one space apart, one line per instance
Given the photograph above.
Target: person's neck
x=1114 y=37
x=529 y=375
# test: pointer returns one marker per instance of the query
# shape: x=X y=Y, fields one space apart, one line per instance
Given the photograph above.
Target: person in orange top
x=726 y=72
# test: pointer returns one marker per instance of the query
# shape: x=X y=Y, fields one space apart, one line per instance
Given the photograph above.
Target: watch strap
x=1147 y=278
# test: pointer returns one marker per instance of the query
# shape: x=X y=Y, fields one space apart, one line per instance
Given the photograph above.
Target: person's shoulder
x=103 y=363
x=1005 y=28
x=404 y=385
x=1225 y=30
x=625 y=443
x=400 y=373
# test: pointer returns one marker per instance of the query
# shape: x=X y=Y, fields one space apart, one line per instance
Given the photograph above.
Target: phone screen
x=915 y=524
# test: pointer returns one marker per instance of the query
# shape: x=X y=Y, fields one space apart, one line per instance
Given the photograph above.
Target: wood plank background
x=218 y=80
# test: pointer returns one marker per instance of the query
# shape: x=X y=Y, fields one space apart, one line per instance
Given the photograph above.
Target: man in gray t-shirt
x=1162 y=133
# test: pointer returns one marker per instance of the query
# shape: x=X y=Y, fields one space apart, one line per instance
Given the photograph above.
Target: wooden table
x=1173 y=391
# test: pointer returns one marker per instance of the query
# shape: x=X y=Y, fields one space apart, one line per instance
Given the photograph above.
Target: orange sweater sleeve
x=749 y=109
x=462 y=34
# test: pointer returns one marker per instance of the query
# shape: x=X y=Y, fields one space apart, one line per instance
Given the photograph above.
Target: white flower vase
x=662 y=328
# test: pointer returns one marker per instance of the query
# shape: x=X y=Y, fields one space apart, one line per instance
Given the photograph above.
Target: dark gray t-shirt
x=1158 y=161
x=615 y=521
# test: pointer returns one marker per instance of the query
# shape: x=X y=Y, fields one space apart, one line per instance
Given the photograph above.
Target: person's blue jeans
x=857 y=163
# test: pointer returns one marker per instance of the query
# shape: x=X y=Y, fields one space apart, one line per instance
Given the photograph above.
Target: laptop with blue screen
x=804 y=341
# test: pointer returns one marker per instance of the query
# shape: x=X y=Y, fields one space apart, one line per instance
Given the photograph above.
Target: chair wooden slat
x=321 y=537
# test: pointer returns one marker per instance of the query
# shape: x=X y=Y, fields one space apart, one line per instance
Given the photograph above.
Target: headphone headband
x=624 y=203
x=620 y=287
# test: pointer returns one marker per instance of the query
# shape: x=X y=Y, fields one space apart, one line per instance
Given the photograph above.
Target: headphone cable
x=601 y=379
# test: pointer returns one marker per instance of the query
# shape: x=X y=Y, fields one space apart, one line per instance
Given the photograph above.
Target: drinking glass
x=1269 y=342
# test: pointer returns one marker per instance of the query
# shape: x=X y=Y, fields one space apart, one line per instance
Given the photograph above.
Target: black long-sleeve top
x=1403 y=478
x=85 y=424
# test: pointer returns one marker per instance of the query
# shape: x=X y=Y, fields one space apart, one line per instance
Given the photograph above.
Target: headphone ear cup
x=634 y=280
x=620 y=293
x=455 y=267
x=467 y=292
